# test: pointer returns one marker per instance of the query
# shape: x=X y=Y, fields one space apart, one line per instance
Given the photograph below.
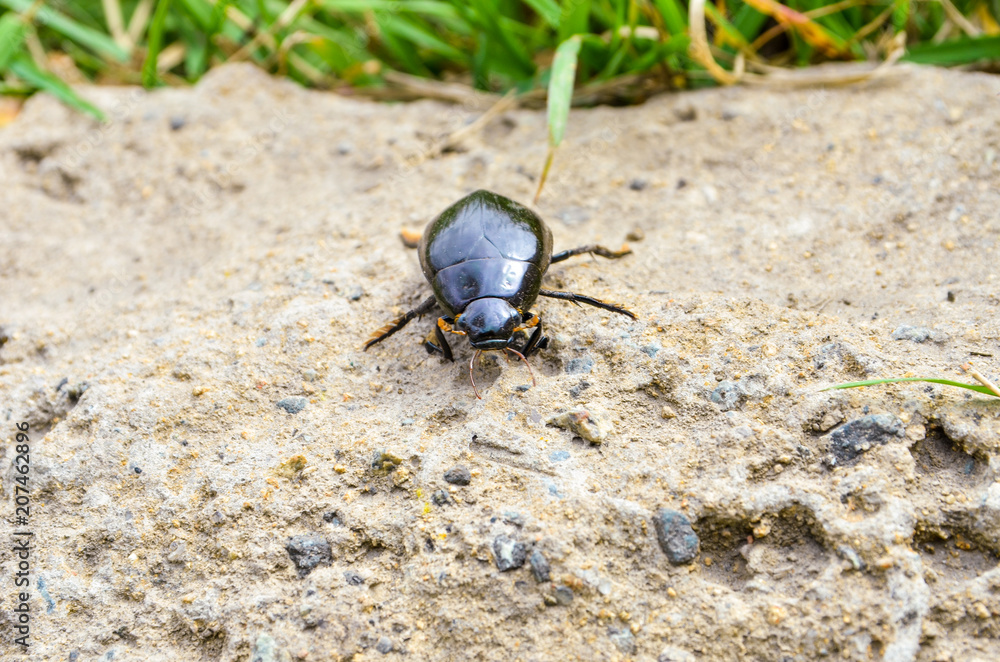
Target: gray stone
x=677 y=539
x=915 y=334
x=265 y=649
x=580 y=365
x=308 y=551
x=293 y=405
x=858 y=436
x=458 y=475
x=564 y=595
x=728 y=395
x=539 y=566
x=384 y=645
x=622 y=639
x=509 y=554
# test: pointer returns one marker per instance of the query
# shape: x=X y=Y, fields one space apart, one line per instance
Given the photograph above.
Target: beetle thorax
x=489 y=323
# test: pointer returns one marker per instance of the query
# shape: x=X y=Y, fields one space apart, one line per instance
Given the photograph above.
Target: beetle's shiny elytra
x=485 y=257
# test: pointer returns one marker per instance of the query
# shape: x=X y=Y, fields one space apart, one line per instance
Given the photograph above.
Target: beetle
x=484 y=257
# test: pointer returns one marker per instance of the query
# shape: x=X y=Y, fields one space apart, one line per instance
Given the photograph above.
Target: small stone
x=384 y=645
x=383 y=462
x=265 y=649
x=637 y=184
x=858 y=436
x=851 y=557
x=293 y=405
x=623 y=640
x=677 y=539
x=458 y=475
x=916 y=334
x=310 y=375
x=178 y=551
x=539 y=566
x=635 y=234
x=673 y=654
x=509 y=554
x=564 y=595
x=728 y=395
x=585 y=422
x=177 y=123
x=441 y=498
x=559 y=456
x=580 y=365
x=668 y=412
x=577 y=390
x=308 y=551
x=353 y=578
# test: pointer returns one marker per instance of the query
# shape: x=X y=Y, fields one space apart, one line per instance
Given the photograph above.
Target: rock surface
x=171 y=276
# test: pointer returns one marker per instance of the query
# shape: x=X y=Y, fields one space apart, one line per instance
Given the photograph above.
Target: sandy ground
x=218 y=472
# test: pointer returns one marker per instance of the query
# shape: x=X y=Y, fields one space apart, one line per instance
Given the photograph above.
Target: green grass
x=613 y=51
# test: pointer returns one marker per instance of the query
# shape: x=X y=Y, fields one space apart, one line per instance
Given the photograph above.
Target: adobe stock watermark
x=223 y=179
x=73 y=156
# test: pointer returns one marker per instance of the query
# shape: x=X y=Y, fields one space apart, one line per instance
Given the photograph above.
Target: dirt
x=179 y=280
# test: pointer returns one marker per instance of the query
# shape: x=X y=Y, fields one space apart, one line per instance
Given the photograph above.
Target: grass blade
x=560 y=98
x=92 y=39
x=150 y=78
x=946 y=382
x=12 y=33
x=958 y=51
x=548 y=10
x=26 y=69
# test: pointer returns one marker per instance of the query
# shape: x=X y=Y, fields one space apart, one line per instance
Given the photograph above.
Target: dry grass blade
x=700 y=50
x=981 y=379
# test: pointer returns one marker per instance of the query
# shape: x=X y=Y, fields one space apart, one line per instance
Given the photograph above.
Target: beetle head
x=489 y=323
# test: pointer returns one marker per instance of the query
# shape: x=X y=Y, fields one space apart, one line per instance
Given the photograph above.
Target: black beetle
x=485 y=256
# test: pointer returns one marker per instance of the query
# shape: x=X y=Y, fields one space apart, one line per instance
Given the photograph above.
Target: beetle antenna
x=471 y=378
x=527 y=365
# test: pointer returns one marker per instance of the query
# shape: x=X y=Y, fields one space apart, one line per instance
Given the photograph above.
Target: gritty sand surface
x=171 y=276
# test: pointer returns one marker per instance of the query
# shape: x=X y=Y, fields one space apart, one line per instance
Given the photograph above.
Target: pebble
x=586 y=423
x=855 y=437
x=851 y=557
x=622 y=639
x=564 y=595
x=384 y=645
x=509 y=554
x=677 y=539
x=579 y=389
x=638 y=184
x=559 y=456
x=265 y=649
x=728 y=395
x=539 y=566
x=293 y=405
x=177 y=123
x=915 y=334
x=580 y=365
x=673 y=654
x=178 y=551
x=458 y=475
x=353 y=578
x=440 y=498
x=308 y=551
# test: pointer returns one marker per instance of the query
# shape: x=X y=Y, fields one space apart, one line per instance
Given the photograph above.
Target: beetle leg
x=593 y=249
x=392 y=327
x=536 y=342
x=445 y=347
x=582 y=298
